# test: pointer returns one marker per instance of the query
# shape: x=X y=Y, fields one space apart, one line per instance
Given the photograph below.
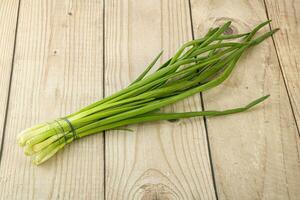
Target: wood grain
x=8 y=21
x=255 y=154
x=57 y=70
x=158 y=160
x=286 y=15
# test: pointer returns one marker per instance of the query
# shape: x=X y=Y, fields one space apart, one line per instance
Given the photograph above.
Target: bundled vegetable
x=198 y=65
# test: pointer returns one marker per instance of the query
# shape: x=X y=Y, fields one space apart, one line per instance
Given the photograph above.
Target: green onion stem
x=197 y=66
x=172 y=116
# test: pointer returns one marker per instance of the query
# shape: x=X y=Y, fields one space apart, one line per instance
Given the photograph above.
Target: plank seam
x=281 y=71
x=10 y=82
x=103 y=96
x=204 y=118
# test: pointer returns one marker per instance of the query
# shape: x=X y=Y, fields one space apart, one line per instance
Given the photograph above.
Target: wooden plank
x=57 y=70
x=8 y=21
x=285 y=14
x=158 y=160
x=255 y=154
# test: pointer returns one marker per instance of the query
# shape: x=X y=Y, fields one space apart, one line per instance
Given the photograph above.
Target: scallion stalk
x=197 y=66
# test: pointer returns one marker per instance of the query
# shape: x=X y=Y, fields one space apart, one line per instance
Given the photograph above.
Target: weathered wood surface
x=286 y=15
x=255 y=154
x=70 y=53
x=57 y=70
x=8 y=21
x=158 y=160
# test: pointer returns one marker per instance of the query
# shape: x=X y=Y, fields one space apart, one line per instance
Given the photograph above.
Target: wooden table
x=59 y=55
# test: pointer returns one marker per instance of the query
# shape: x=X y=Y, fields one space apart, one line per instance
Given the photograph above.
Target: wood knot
x=156 y=191
x=153 y=184
x=70 y=13
x=229 y=31
x=234 y=28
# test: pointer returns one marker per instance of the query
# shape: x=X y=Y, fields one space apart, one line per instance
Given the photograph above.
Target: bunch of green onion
x=198 y=65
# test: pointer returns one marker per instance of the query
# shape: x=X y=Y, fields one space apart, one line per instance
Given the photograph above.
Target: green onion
x=197 y=66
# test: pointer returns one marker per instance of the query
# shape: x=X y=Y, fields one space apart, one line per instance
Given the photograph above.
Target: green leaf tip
x=257 y=101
